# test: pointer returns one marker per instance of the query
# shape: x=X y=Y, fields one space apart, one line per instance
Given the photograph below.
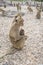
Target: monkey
x=29 y=9
x=3 y=12
x=16 y=34
x=38 y=15
x=18 y=7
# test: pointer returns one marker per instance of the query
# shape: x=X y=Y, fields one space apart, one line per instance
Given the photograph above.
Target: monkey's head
x=19 y=19
x=22 y=32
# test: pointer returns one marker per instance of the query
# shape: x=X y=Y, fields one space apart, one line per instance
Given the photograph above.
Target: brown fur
x=16 y=39
x=38 y=16
x=29 y=9
x=1 y=10
x=18 y=7
x=19 y=43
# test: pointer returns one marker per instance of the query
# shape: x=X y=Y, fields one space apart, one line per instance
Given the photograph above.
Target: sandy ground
x=32 y=52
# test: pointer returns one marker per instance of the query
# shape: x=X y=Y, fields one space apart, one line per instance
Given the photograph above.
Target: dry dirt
x=32 y=52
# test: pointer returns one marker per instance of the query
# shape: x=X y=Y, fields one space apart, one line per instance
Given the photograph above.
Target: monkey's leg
x=18 y=44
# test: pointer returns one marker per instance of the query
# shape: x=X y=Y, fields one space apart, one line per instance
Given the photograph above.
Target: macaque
x=16 y=34
x=18 y=7
x=3 y=12
x=38 y=16
x=29 y=9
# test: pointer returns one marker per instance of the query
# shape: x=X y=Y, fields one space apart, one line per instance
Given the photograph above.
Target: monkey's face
x=19 y=20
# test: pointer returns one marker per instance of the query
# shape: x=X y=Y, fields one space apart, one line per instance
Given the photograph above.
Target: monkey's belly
x=18 y=44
